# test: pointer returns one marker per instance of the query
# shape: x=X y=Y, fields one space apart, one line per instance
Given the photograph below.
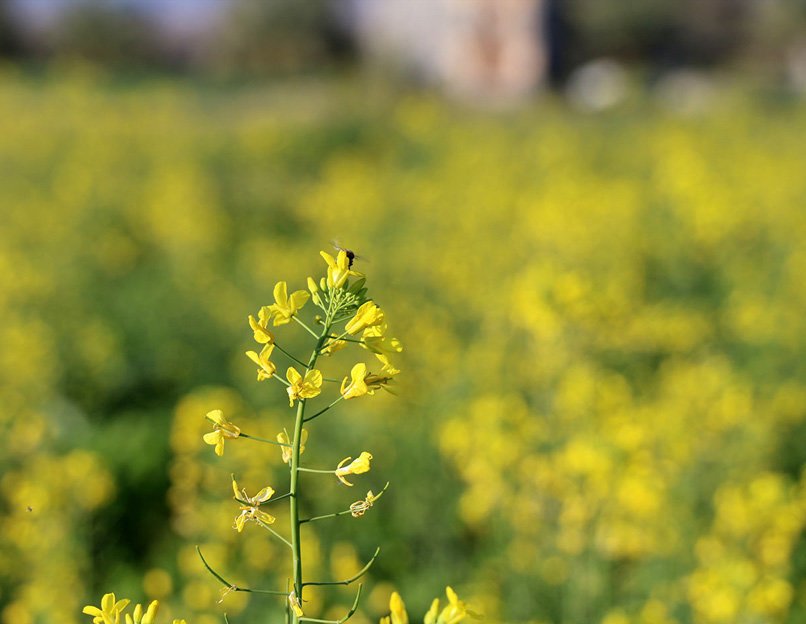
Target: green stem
x=353 y=578
x=332 y=515
x=233 y=587
x=308 y=329
x=296 y=544
x=346 y=617
x=301 y=469
x=323 y=410
x=251 y=437
x=273 y=532
x=298 y=361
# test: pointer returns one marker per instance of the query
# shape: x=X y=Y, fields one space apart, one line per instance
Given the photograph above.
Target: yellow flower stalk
x=223 y=429
x=368 y=315
x=303 y=388
x=267 y=367
x=109 y=612
x=359 y=465
x=338 y=269
x=250 y=507
x=260 y=326
x=283 y=438
x=356 y=387
x=285 y=307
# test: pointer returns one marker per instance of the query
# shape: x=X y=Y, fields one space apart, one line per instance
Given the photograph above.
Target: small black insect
x=349 y=253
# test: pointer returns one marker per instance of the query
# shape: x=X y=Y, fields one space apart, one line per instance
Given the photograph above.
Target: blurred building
x=483 y=49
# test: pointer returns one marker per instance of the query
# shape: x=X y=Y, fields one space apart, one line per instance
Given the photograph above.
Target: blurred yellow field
x=602 y=411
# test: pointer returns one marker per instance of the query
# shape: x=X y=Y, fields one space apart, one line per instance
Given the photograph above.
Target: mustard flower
x=303 y=388
x=260 y=326
x=357 y=387
x=223 y=429
x=368 y=315
x=250 y=509
x=359 y=508
x=375 y=382
x=359 y=465
x=317 y=299
x=338 y=268
x=143 y=618
x=286 y=307
x=455 y=611
x=398 y=613
x=284 y=438
x=267 y=367
x=110 y=610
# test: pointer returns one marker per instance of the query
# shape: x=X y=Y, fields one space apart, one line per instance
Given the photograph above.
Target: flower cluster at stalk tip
x=347 y=318
x=453 y=613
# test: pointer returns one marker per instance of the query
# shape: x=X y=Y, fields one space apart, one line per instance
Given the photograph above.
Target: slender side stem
x=301 y=469
x=308 y=329
x=298 y=361
x=354 y=577
x=330 y=515
x=233 y=587
x=275 y=533
x=324 y=409
x=251 y=437
x=347 y=615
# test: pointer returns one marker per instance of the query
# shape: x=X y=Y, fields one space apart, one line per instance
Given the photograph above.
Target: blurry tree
x=106 y=33
x=279 y=35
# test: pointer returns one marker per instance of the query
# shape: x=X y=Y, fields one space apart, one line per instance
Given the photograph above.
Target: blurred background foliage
x=602 y=411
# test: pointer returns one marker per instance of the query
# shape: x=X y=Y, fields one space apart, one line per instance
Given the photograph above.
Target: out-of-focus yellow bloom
x=359 y=465
x=359 y=508
x=338 y=269
x=260 y=326
x=295 y=606
x=455 y=611
x=250 y=509
x=143 y=618
x=223 y=429
x=398 y=613
x=283 y=438
x=356 y=387
x=267 y=367
x=303 y=388
x=110 y=610
x=368 y=315
x=285 y=307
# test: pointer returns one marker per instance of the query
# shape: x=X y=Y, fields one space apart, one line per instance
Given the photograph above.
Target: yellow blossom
x=455 y=611
x=143 y=618
x=267 y=367
x=250 y=508
x=286 y=307
x=223 y=429
x=338 y=269
x=303 y=388
x=398 y=613
x=260 y=326
x=317 y=299
x=359 y=465
x=356 y=387
x=368 y=315
x=283 y=438
x=110 y=610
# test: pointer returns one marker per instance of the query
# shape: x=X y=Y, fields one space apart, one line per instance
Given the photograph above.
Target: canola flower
x=453 y=613
x=346 y=311
x=111 y=609
x=223 y=430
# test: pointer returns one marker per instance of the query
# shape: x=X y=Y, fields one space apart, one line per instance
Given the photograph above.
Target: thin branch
x=308 y=329
x=275 y=533
x=300 y=362
x=251 y=437
x=323 y=410
x=232 y=586
x=353 y=578
x=346 y=617
x=345 y=512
